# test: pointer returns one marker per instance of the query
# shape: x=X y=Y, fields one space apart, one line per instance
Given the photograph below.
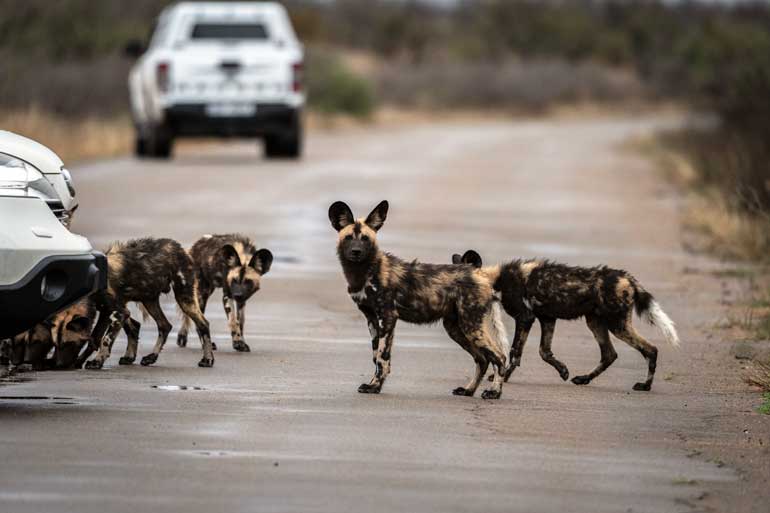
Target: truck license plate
x=230 y=110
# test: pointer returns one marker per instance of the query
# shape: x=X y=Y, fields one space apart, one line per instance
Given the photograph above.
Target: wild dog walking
x=230 y=262
x=386 y=288
x=140 y=271
x=606 y=297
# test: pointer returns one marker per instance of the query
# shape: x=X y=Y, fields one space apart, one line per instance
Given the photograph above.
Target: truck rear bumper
x=193 y=120
x=53 y=284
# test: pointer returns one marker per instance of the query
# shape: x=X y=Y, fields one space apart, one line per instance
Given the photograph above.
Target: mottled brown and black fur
x=66 y=333
x=547 y=291
x=230 y=262
x=140 y=271
x=386 y=288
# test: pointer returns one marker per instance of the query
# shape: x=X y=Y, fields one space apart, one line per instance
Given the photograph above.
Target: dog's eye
x=348 y=237
x=365 y=238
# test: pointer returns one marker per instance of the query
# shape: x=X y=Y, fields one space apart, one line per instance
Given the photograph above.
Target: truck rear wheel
x=287 y=144
x=155 y=143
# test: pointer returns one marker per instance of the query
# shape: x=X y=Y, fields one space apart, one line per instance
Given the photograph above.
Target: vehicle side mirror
x=134 y=49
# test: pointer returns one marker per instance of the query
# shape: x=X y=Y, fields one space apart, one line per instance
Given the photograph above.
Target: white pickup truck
x=230 y=69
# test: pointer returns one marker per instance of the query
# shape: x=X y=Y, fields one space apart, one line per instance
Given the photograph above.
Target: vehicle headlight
x=22 y=177
x=68 y=180
x=15 y=173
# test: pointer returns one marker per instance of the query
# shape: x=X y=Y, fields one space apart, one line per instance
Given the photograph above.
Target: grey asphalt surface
x=282 y=429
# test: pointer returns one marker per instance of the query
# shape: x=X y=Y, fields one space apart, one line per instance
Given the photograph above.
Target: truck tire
x=140 y=146
x=287 y=144
x=157 y=143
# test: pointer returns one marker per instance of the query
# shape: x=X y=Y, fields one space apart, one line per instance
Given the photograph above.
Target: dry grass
x=759 y=375
x=727 y=232
x=722 y=229
x=72 y=140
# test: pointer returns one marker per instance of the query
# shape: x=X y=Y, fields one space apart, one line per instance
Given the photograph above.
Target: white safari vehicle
x=230 y=69
x=43 y=267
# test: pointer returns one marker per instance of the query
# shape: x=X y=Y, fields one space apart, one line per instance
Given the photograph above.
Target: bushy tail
x=649 y=310
x=494 y=321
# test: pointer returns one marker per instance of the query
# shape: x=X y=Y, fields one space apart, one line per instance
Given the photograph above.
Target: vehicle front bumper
x=268 y=118
x=53 y=284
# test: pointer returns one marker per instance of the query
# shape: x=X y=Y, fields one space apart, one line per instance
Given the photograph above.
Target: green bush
x=333 y=88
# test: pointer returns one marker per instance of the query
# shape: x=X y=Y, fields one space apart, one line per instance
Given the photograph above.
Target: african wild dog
x=386 y=288
x=606 y=297
x=71 y=332
x=29 y=350
x=233 y=263
x=65 y=332
x=140 y=271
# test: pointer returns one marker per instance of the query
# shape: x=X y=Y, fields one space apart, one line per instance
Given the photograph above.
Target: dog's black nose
x=355 y=252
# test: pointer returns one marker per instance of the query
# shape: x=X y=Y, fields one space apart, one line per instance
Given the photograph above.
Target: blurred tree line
x=65 y=55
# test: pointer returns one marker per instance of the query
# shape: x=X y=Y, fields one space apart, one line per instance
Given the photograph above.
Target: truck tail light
x=298 y=78
x=162 y=76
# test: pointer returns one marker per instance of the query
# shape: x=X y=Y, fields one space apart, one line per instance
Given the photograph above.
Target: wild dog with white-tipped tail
x=386 y=288
x=547 y=291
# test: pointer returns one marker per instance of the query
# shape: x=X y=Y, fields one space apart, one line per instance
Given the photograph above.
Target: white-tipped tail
x=657 y=317
x=496 y=326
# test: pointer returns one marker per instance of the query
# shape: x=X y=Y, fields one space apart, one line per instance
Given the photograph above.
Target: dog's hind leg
x=547 y=328
x=164 y=328
x=131 y=327
x=184 y=329
x=520 y=335
x=608 y=354
x=456 y=334
x=183 y=292
x=626 y=332
x=472 y=324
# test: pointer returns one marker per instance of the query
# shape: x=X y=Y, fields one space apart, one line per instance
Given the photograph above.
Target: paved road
x=282 y=428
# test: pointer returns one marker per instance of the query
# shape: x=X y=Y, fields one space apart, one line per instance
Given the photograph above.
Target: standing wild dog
x=547 y=291
x=230 y=262
x=140 y=271
x=386 y=288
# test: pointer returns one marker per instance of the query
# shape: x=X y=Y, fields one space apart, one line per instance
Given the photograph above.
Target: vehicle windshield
x=231 y=31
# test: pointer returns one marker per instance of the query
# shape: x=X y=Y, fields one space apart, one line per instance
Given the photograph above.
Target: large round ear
x=473 y=258
x=340 y=215
x=231 y=256
x=376 y=217
x=79 y=323
x=262 y=260
x=457 y=259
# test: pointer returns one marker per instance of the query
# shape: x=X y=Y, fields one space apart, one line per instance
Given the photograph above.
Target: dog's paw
x=127 y=360
x=581 y=380
x=491 y=394
x=181 y=340
x=564 y=373
x=643 y=387
x=149 y=359
x=366 y=388
x=241 y=346
x=463 y=391
x=94 y=364
x=206 y=362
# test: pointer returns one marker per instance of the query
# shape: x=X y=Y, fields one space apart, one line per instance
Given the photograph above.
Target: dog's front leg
x=381 y=326
x=116 y=320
